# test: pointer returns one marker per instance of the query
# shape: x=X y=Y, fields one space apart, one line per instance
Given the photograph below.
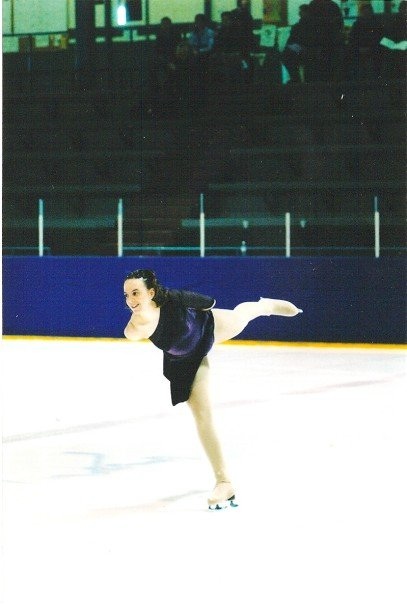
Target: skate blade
x=222 y=505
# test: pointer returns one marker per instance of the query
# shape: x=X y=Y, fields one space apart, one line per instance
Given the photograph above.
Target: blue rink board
x=344 y=299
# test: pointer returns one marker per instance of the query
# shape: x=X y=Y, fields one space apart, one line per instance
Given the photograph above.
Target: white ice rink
x=105 y=484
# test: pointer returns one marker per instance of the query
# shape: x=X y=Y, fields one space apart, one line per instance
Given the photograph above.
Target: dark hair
x=151 y=282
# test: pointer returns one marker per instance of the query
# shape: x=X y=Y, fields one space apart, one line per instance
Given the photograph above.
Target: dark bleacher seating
x=321 y=152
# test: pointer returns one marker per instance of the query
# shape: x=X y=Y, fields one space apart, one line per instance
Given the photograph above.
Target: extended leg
x=229 y=323
x=200 y=405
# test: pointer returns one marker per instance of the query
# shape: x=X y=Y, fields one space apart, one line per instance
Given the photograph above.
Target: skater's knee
x=200 y=408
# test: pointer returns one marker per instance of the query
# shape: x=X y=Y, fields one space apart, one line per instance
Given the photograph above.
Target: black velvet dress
x=185 y=334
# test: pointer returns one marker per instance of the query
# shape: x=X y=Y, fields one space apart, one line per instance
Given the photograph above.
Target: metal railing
x=202 y=224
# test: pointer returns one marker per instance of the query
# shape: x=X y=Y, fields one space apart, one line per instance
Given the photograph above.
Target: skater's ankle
x=222 y=479
x=223 y=491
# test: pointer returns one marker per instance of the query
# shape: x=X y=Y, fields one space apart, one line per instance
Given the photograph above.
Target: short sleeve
x=194 y=300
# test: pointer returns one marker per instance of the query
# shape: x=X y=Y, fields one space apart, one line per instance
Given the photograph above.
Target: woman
x=185 y=326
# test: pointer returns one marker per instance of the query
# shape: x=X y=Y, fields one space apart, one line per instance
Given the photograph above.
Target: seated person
x=202 y=37
x=166 y=42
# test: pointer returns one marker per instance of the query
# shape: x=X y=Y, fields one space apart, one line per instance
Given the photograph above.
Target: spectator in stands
x=227 y=59
x=201 y=42
x=226 y=38
x=166 y=43
x=163 y=66
x=292 y=55
x=325 y=42
x=243 y=24
x=363 y=57
x=202 y=37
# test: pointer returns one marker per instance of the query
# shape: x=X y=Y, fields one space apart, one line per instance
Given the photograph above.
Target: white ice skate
x=223 y=496
x=279 y=307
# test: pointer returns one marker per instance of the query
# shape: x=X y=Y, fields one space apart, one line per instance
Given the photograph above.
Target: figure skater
x=185 y=325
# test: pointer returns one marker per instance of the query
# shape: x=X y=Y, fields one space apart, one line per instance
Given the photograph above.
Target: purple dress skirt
x=185 y=334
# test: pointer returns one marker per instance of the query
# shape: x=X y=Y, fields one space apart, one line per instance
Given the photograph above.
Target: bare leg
x=229 y=323
x=200 y=405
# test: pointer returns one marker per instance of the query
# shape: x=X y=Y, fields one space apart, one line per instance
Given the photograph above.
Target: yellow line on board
x=229 y=343
x=316 y=344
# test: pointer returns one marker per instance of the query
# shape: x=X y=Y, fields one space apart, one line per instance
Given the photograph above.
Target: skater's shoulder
x=191 y=299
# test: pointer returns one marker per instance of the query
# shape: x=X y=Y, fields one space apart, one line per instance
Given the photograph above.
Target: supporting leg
x=200 y=405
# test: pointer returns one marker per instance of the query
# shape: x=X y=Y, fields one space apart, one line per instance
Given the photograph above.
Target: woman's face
x=137 y=296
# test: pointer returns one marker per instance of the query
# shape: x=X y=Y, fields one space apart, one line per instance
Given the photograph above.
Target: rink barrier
x=345 y=299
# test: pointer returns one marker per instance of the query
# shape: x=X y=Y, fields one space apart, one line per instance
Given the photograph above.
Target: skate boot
x=223 y=496
x=278 y=307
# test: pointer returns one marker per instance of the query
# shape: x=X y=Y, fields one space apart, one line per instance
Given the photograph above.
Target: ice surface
x=105 y=484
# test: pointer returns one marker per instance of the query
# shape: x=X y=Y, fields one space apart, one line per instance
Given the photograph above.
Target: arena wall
x=355 y=300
